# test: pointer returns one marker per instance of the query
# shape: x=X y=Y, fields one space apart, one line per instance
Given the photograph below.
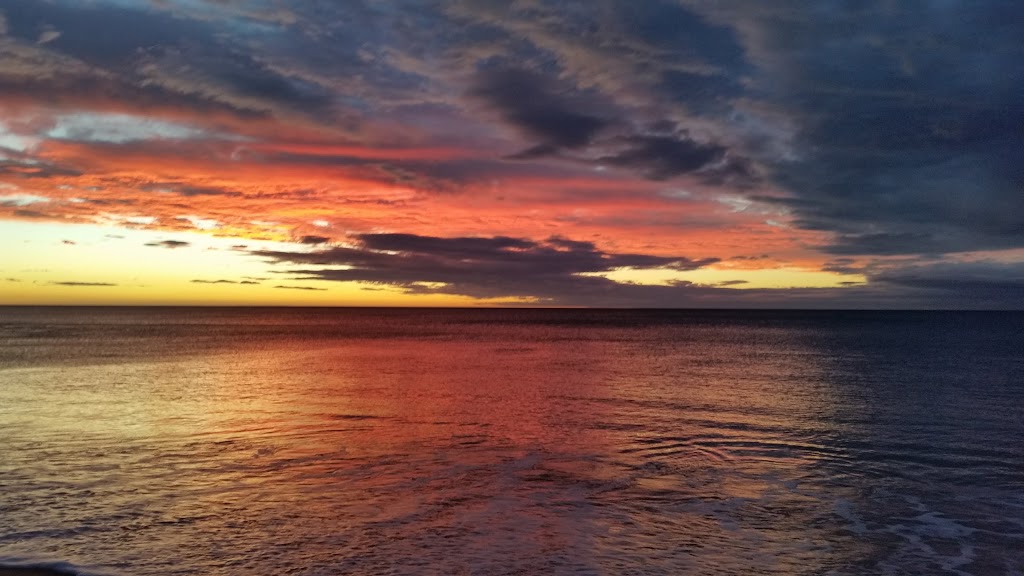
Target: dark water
x=247 y=441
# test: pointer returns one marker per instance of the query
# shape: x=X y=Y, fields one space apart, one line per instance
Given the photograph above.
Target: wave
x=19 y=567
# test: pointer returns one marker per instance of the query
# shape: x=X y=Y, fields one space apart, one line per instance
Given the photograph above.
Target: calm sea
x=302 y=441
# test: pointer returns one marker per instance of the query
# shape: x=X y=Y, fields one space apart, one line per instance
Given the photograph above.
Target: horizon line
x=505 y=308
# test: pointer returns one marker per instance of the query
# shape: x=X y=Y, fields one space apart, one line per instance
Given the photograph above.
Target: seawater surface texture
x=269 y=441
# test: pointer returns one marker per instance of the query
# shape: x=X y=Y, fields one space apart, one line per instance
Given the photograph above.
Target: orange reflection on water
x=557 y=449
x=481 y=439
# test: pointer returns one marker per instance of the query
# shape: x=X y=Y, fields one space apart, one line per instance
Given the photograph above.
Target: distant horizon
x=524 y=307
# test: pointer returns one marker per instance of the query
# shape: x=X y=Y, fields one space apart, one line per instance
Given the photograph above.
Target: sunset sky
x=707 y=153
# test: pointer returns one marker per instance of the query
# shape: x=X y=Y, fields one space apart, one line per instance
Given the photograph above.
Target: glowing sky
x=596 y=153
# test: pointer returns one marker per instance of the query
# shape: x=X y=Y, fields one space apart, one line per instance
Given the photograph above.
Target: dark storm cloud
x=888 y=243
x=459 y=248
x=911 y=122
x=897 y=126
x=150 y=58
x=480 y=267
x=99 y=35
x=558 y=271
x=984 y=284
x=549 y=272
x=169 y=244
x=703 y=93
x=664 y=156
x=842 y=266
x=246 y=76
x=679 y=32
x=534 y=104
x=89 y=91
x=633 y=49
x=553 y=117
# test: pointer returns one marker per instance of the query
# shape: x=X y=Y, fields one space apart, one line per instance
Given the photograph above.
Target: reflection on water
x=511 y=442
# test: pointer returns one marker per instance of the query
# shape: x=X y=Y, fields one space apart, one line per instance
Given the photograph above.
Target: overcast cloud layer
x=527 y=149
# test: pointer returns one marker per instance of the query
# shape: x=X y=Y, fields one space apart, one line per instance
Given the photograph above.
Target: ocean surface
x=356 y=441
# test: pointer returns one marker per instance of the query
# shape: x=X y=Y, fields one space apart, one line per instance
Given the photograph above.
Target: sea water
x=165 y=441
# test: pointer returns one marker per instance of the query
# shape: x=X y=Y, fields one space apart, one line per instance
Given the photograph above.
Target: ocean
x=160 y=441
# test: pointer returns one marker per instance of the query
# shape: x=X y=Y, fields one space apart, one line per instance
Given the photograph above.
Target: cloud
x=984 y=284
x=559 y=119
x=171 y=244
x=314 y=240
x=159 y=58
x=34 y=169
x=186 y=189
x=483 y=267
x=904 y=146
x=84 y=284
x=34 y=214
x=48 y=36
x=225 y=281
x=664 y=156
x=78 y=25
x=299 y=288
x=534 y=105
x=843 y=266
x=22 y=199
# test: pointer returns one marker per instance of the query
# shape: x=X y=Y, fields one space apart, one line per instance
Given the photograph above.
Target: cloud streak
x=169 y=244
x=283 y=287
x=82 y=284
x=224 y=281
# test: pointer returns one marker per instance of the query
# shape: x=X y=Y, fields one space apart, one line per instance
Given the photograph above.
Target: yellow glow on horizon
x=739 y=279
x=338 y=294
x=48 y=263
x=53 y=263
